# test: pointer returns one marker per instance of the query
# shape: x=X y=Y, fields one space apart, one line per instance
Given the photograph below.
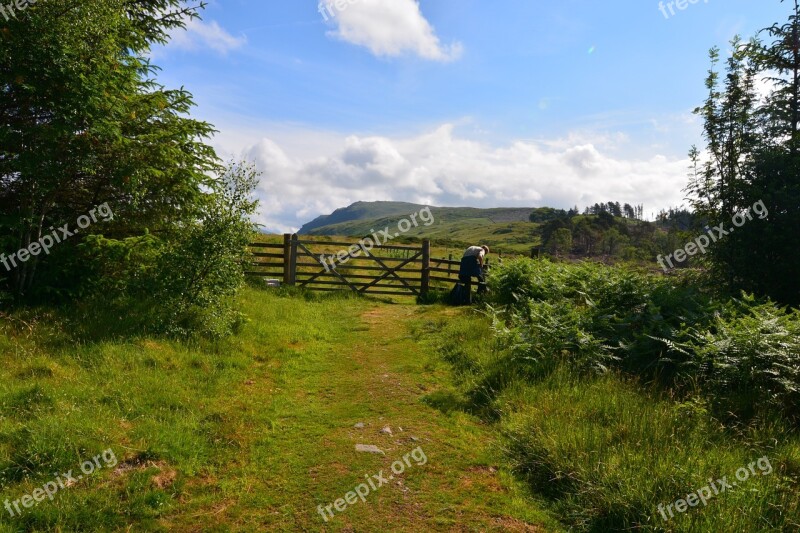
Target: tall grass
x=743 y=354
x=617 y=391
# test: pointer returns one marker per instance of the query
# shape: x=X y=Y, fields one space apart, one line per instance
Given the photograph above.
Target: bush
x=181 y=283
x=749 y=357
x=741 y=354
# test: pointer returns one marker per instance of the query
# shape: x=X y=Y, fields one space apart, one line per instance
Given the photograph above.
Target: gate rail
x=386 y=270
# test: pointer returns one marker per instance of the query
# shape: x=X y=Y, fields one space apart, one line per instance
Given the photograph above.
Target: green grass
x=247 y=434
x=253 y=433
x=608 y=454
x=606 y=450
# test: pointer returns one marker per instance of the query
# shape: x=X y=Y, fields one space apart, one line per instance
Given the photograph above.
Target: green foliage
x=606 y=454
x=752 y=154
x=603 y=446
x=184 y=280
x=748 y=357
x=560 y=242
x=82 y=122
x=741 y=354
x=604 y=235
x=546 y=214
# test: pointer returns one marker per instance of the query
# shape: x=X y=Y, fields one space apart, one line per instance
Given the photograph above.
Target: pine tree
x=753 y=157
x=83 y=122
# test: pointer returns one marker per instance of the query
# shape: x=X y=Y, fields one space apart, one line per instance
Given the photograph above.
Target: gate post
x=426 y=266
x=287 y=258
x=293 y=260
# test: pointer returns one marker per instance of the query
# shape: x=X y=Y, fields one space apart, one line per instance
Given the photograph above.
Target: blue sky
x=456 y=102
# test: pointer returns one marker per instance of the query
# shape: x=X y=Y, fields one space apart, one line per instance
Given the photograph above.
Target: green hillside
x=506 y=228
x=358 y=211
x=510 y=230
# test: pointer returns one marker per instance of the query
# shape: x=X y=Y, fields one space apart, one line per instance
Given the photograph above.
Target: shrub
x=742 y=354
x=181 y=283
x=750 y=358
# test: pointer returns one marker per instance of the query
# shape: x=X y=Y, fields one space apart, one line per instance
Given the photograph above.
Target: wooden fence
x=332 y=266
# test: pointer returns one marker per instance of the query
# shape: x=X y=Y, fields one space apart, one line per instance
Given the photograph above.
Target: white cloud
x=440 y=168
x=387 y=28
x=200 y=35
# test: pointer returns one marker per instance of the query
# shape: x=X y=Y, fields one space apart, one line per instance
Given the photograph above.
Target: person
x=472 y=266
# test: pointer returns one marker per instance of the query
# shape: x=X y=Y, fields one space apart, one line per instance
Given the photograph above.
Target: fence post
x=426 y=267
x=293 y=260
x=287 y=258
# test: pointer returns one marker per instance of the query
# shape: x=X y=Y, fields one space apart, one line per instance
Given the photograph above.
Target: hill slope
x=510 y=230
x=509 y=227
x=355 y=212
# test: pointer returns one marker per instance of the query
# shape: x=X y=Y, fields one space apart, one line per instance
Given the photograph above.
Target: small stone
x=387 y=430
x=360 y=425
x=369 y=448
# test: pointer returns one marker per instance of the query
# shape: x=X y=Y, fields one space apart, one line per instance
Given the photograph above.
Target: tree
x=613 y=242
x=752 y=157
x=83 y=122
x=606 y=220
x=629 y=211
x=179 y=283
x=729 y=129
x=586 y=236
x=560 y=242
x=546 y=214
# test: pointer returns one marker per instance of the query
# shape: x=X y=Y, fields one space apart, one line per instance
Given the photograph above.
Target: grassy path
x=327 y=369
x=258 y=432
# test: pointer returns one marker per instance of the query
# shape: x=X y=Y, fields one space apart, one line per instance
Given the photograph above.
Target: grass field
x=250 y=434
x=606 y=452
x=259 y=432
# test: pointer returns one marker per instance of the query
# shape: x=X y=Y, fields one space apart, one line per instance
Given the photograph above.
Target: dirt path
x=366 y=387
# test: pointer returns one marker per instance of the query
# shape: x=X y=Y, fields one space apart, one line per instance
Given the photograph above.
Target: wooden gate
x=333 y=266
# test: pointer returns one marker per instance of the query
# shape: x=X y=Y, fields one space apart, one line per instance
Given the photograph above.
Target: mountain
x=511 y=230
x=509 y=227
x=358 y=211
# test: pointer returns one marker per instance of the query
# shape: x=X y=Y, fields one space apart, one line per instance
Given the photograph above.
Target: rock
x=369 y=448
x=360 y=425
x=414 y=439
x=387 y=430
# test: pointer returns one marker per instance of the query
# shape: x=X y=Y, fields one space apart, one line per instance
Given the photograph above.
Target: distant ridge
x=362 y=218
x=359 y=211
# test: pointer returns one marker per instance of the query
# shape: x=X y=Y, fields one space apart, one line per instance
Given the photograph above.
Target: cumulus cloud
x=387 y=28
x=440 y=168
x=199 y=35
